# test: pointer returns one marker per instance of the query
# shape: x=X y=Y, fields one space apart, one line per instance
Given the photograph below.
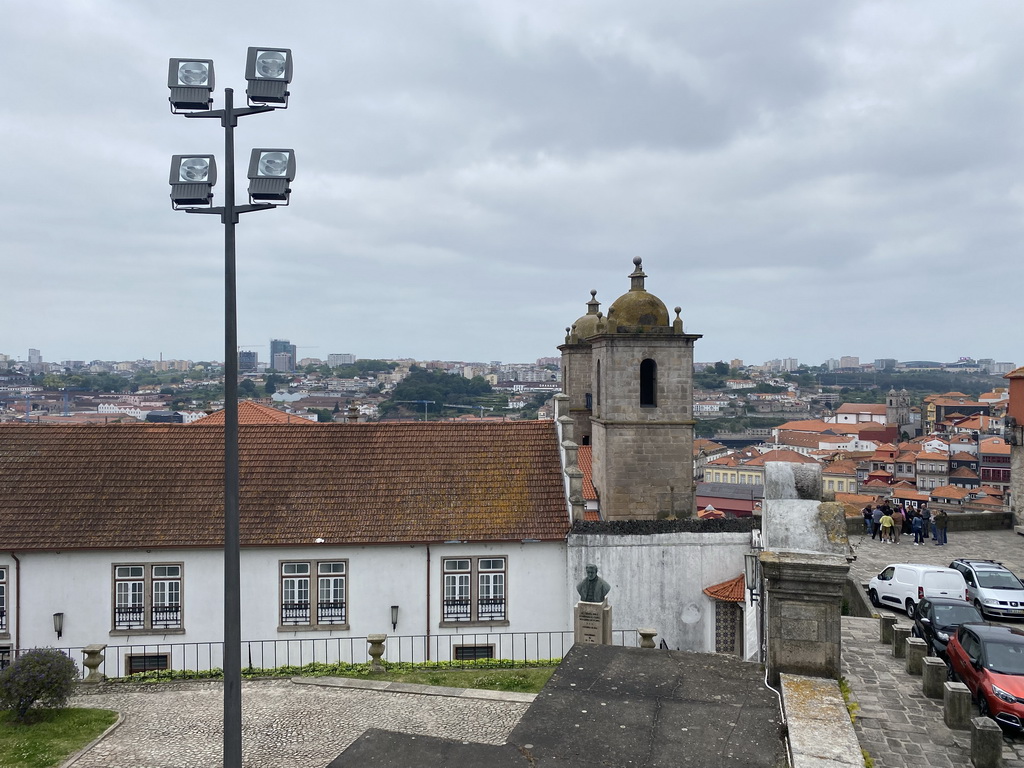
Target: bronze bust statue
x=593 y=589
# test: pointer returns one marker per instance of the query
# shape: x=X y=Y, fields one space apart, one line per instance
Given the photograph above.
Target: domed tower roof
x=586 y=326
x=637 y=308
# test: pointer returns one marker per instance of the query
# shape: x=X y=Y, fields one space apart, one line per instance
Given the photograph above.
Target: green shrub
x=43 y=675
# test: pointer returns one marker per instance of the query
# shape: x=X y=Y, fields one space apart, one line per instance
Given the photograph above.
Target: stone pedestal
x=376 y=650
x=956 y=706
x=804 y=593
x=933 y=677
x=900 y=635
x=93 y=660
x=917 y=649
x=885 y=625
x=647 y=637
x=986 y=743
x=592 y=624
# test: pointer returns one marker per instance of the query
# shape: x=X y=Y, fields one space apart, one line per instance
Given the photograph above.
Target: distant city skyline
x=264 y=358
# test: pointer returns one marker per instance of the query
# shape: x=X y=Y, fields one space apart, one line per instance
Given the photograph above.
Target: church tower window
x=648 y=384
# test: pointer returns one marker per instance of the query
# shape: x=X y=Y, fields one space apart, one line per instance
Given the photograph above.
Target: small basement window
x=472 y=652
x=146 y=662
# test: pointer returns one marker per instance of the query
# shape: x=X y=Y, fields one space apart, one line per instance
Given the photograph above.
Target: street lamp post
x=268 y=71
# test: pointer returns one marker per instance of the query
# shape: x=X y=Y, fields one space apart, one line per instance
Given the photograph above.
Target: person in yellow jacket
x=887 y=526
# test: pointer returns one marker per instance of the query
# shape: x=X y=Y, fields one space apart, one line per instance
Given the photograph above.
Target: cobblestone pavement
x=284 y=725
x=896 y=724
x=872 y=556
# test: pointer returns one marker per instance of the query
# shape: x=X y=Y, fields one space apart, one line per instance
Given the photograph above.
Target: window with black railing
x=295 y=613
x=129 y=617
x=474 y=590
x=3 y=600
x=147 y=597
x=327 y=606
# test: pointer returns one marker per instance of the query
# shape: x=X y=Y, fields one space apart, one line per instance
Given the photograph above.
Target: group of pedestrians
x=888 y=523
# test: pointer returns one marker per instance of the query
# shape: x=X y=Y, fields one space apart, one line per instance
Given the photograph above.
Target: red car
x=989 y=659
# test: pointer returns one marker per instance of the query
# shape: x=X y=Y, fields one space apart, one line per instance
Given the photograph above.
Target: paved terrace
x=896 y=724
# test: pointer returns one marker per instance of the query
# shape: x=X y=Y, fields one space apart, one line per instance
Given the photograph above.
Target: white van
x=901 y=585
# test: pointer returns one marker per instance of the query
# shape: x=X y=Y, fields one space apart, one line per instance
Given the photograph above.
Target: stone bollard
x=986 y=743
x=647 y=637
x=956 y=706
x=93 y=659
x=933 y=677
x=885 y=625
x=376 y=650
x=900 y=635
x=917 y=649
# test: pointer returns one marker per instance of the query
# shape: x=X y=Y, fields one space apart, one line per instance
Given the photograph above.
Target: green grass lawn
x=529 y=680
x=49 y=736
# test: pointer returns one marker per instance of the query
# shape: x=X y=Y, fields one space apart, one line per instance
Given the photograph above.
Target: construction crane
x=471 y=407
x=425 y=403
x=67 y=399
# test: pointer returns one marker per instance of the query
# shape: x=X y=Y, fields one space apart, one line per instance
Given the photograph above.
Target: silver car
x=993 y=588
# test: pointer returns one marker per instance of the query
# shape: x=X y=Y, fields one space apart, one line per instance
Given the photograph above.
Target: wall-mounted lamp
x=394 y=617
x=752 y=574
x=58 y=624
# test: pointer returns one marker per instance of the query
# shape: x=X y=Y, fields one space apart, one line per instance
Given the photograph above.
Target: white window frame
x=3 y=602
x=474 y=590
x=313 y=594
x=147 y=598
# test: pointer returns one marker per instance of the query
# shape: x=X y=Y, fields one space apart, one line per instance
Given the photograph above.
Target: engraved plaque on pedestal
x=593 y=623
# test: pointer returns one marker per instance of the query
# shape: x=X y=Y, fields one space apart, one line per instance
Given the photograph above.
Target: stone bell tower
x=638 y=409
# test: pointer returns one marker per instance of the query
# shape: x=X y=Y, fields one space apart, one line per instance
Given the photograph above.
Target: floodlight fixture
x=191 y=84
x=192 y=179
x=270 y=174
x=268 y=71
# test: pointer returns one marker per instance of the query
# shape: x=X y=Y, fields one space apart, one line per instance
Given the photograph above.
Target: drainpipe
x=17 y=603
x=428 y=602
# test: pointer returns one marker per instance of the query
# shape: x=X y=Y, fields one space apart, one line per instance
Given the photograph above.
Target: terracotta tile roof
x=985 y=501
x=161 y=486
x=963 y=456
x=584 y=458
x=964 y=472
x=731 y=591
x=989 y=490
x=995 y=445
x=857 y=498
x=926 y=456
x=781 y=454
x=841 y=467
x=254 y=413
x=949 y=492
x=910 y=495
x=806 y=439
x=710 y=513
x=872 y=408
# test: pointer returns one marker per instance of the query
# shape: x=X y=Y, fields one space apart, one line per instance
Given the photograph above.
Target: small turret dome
x=637 y=308
x=586 y=326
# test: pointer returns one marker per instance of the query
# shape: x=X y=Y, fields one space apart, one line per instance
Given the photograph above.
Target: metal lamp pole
x=274 y=91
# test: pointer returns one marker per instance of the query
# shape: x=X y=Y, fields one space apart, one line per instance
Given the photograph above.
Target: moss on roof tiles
x=114 y=485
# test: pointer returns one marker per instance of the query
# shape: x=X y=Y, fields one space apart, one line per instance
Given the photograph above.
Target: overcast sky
x=805 y=179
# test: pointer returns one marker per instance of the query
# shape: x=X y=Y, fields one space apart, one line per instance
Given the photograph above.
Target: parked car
x=937 y=618
x=902 y=585
x=992 y=587
x=989 y=659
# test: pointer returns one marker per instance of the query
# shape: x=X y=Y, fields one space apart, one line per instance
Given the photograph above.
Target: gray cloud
x=805 y=179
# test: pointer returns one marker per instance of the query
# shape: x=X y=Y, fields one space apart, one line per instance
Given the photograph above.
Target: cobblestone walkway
x=284 y=725
x=896 y=724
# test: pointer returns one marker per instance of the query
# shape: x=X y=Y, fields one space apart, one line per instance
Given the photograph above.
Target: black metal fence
x=187 y=659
